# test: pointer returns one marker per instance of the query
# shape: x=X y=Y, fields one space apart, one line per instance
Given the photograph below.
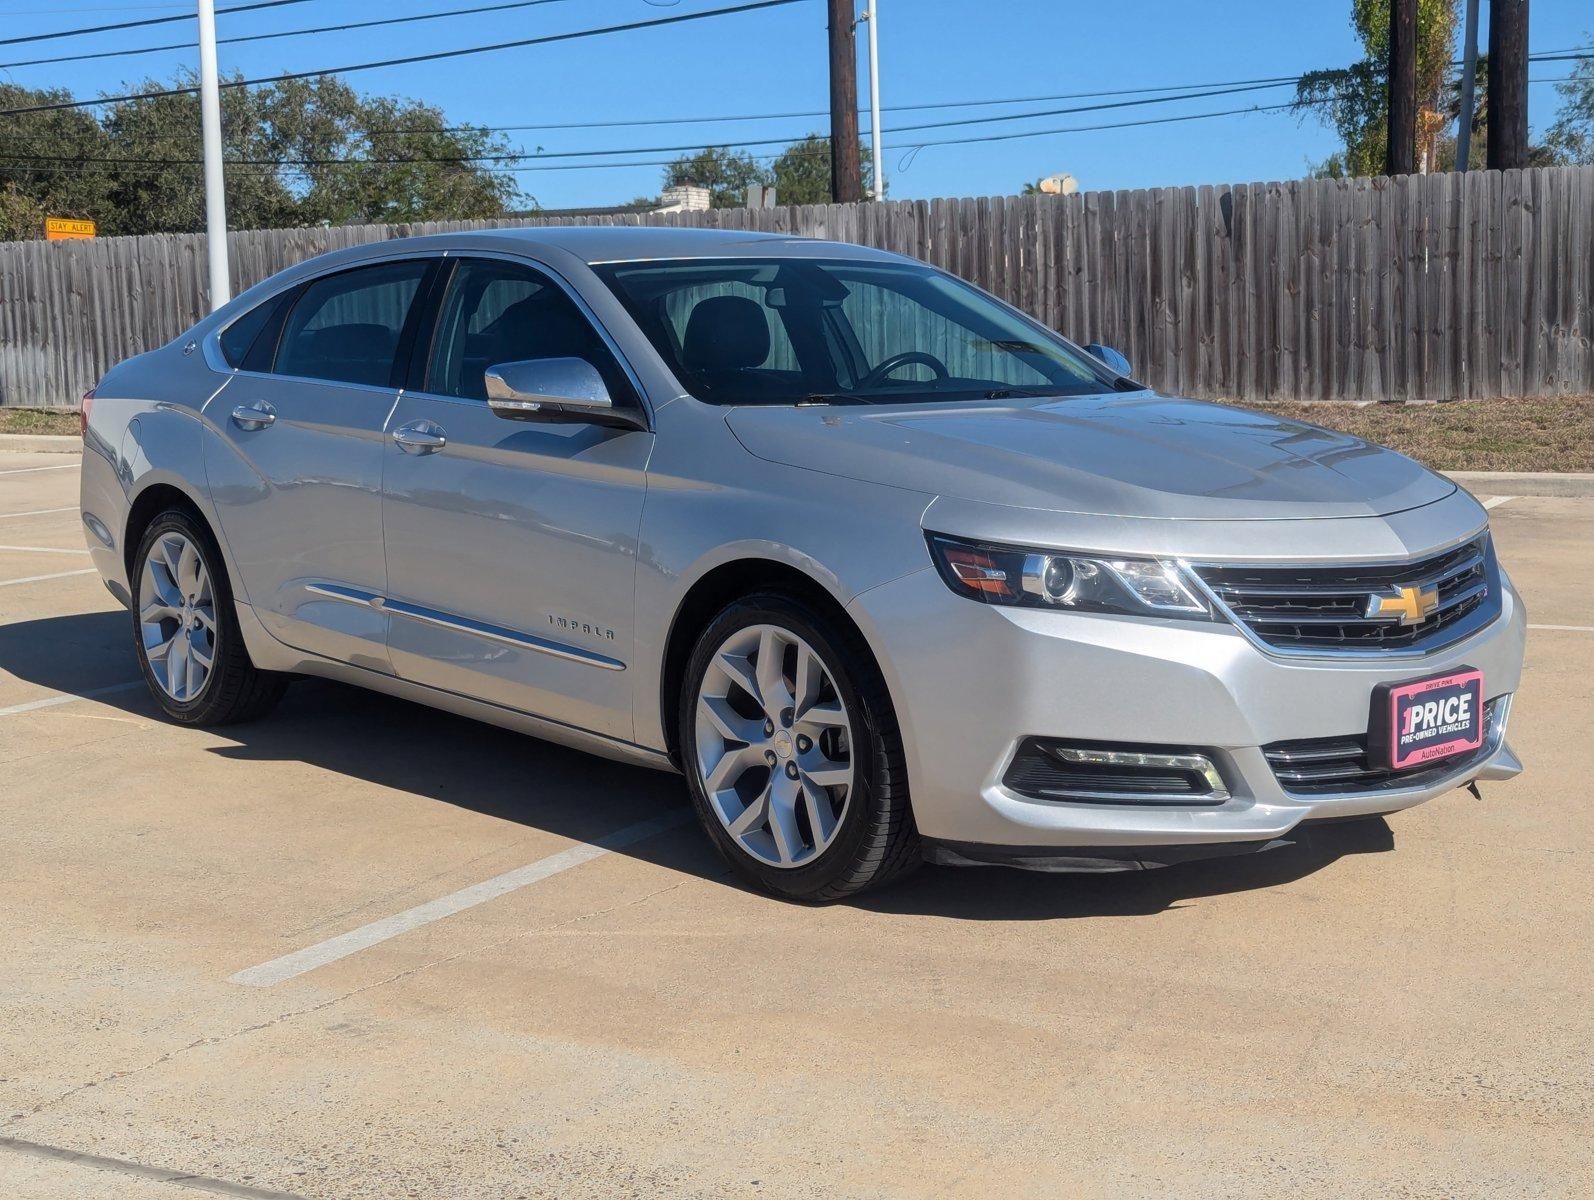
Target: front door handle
x=420 y=437
x=254 y=416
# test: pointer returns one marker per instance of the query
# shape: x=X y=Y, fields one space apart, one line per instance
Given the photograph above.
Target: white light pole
x=1469 y=75
x=874 y=100
x=210 y=125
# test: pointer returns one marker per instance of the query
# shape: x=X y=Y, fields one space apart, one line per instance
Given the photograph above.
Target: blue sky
x=932 y=51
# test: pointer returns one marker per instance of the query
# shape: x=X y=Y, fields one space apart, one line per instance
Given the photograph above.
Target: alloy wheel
x=774 y=746
x=177 y=616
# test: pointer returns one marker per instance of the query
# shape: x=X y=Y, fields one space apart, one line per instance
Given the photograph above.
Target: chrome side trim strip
x=496 y=633
x=348 y=595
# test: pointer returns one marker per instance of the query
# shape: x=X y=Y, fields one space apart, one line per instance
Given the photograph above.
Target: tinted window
x=236 y=339
x=681 y=303
x=346 y=327
x=497 y=312
x=778 y=331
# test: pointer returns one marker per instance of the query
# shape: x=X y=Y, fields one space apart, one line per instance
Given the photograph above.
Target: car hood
x=1133 y=455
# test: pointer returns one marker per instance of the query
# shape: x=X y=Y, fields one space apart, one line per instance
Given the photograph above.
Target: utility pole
x=846 y=180
x=879 y=180
x=210 y=127
x=1508 y=84
x=1469 y=79
x=1401 y=149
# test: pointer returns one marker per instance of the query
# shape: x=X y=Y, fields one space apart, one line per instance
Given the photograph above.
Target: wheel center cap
x=781 y=743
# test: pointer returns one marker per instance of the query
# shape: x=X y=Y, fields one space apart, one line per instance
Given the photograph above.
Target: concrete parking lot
x=263 y=962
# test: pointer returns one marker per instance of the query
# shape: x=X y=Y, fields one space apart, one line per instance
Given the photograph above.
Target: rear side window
x=346 y=328
x=236 y=339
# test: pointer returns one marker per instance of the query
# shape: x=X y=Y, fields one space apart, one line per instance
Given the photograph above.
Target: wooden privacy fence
x=1419 y=287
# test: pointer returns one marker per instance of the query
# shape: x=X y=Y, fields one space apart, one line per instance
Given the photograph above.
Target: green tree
x=158 y=184
x=324 y=118
x=300 y=152
x=726 y=174
x=21 y=217
x=48 y=161
x=802 y=172
x=1354 y=100
x=1572 y=135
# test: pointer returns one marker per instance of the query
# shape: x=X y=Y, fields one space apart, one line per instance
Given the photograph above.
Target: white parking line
x=39 y=550
x=122 y=1166
x=1566 y=628
x=31 y=470
x=42 y=578
x=1497 y=501
x=345 y=944
x=69 y=698
x=39 y=512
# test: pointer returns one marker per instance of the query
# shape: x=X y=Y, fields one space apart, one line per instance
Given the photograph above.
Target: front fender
x=710 y=503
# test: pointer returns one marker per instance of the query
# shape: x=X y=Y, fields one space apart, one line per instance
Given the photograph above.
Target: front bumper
x=970 y=681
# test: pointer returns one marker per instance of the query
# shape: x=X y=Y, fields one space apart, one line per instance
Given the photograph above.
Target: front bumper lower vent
x=1316 y=610
x=1341 y=765
x=1113 y=773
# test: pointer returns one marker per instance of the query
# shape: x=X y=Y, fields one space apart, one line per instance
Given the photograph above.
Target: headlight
x=1136 y=587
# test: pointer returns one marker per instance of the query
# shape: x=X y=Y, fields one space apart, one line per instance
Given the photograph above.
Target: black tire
x=236 y=690
x=877 y=840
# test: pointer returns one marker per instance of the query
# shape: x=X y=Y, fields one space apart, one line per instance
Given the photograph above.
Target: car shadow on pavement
x=418 y=751
x=1006 y=894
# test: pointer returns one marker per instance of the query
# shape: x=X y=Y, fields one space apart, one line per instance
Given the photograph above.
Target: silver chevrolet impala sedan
x=886 y=569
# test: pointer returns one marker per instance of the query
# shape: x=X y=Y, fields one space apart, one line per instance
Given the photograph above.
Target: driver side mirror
x=554 y=389
x=1109 y=356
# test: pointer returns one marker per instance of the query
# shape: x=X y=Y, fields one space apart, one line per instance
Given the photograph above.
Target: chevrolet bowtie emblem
x=1408 y=605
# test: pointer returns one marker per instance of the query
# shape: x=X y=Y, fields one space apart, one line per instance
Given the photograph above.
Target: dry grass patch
x=38 y=420
x=1554 y=434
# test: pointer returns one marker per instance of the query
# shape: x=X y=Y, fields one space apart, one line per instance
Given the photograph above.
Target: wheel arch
x=710 y=594
x=154 y=499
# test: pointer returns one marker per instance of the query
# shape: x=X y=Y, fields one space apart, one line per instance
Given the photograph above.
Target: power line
x=152 y=166
x=301 y=170
x=522 y=156
x=717 y=120
x=143 y=21
x=742 y=118
x=434 y=56
x=498 y=160
x=285 y=33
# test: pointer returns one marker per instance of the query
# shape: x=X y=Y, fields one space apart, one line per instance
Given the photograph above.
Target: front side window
x=782 y=331
x=346 y=327
x=499 y=312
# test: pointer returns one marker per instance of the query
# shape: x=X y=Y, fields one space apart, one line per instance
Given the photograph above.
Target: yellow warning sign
x=61 y=229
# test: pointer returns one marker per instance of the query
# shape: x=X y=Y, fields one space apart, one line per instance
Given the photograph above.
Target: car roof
x=590 y=244
x=625 y=243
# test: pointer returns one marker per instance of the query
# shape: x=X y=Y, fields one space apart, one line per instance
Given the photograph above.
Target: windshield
x=792 y=331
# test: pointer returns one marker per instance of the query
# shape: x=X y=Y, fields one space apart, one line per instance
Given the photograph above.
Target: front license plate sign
x=1425 y=720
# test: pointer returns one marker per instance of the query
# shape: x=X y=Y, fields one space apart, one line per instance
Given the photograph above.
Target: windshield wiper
x=818 y=398
x=1021 y=393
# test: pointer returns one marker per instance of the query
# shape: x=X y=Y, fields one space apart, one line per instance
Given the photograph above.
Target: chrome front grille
x=1341 y=765
x=1325 y=609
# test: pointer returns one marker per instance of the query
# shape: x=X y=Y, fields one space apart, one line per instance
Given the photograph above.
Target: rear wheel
x=185 y=630
x=793 y=754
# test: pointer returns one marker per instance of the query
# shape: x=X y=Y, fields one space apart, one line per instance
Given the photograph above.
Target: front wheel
x=185 y=631
x=793 y=754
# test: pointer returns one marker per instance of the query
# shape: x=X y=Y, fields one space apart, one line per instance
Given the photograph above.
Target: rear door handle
x=420 y=437
x=254 y=416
